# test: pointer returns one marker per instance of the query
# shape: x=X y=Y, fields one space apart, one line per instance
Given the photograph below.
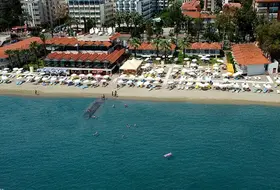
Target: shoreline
x=163 y=95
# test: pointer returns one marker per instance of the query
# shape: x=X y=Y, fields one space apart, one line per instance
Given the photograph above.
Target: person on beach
x=116 y=94
x=112 y=93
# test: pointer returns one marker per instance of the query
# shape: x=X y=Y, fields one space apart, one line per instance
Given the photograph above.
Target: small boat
x=167 y=155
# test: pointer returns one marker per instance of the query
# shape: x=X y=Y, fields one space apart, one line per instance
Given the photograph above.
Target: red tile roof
x=150 y=46
x=248 y=54
x=91 y=57
x=74 y=41
x=201 y=45
x=193 y=5
x=115 y=36
x=236 y=5
x=24 y=44
x=195 y=14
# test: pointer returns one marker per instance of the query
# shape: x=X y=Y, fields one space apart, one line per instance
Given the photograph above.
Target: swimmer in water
x=95 y=134
x=123 y=136
x=128 y=126
x=135 y=125
x=125 y=105
x=113 y=106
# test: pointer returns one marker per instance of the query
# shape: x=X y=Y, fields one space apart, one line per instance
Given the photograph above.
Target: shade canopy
x=131 y=64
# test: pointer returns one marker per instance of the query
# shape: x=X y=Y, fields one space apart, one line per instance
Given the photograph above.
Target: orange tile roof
x=196 y=14
x=112 y=57
x=21 y=45
x=236 y=5
x=193 y=5
x=248 y=54
x=204 y=45
x=115 y=36
x=149 y=46
x=73 y=41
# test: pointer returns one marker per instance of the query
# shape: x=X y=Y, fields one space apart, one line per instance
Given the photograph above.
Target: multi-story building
x=210 y=5
x=161 y=4
x=268 y=8
x=3 y=4
x=100 y=11
x=146 y=8
x=41 y=11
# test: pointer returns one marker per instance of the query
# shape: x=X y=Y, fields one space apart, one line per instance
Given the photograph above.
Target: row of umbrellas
x=90 y=76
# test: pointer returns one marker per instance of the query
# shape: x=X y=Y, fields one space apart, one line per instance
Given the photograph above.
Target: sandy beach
x=196 y=96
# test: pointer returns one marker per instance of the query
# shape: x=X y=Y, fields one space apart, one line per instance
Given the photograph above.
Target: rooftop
x=75 y=41
x=21 y=45
x=195 y=14
x=86 y=57
x=248 y=54
x=150 y=46
x=193 y=5
x=204 y=45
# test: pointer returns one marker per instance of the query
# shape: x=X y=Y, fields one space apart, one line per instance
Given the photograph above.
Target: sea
x=46 y=143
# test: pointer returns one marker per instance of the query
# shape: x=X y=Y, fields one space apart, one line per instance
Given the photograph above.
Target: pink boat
x=167 y=155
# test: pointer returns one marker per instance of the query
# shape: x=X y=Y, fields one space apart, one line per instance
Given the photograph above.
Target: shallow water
x=47 y=144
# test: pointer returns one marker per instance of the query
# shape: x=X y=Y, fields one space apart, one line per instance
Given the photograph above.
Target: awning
x=131 y=64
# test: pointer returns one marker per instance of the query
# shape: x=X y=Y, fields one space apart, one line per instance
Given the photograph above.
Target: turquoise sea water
x=47 y=144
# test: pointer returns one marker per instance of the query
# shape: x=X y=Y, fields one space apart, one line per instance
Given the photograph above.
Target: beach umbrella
x=190 y=79
x=19 y=78
x=186 y=59
x=277 y=81
x=53 y=79
x=97 y=76
x=74 y=75
x=132 y=77
x=4 y=72
x=20 y=69
x=220 y=60
x=176 y=59
x=120 y=82
x=155 y=82
x=193 y=64
x=146 y=83
x=122 y=76
x=225 y=75
x=170 y=56
x=158 y=58
x=69 y=81
x=15 y=69
x=18 y=72
x=208 y=71
x=268 y=86
x=139 y=83
x=149 y=78
x=216 y=84
x=236 y=86
x=103 y=80
x=26 y=72
x=200 y=67
x=143 y=67
x=106 y=76
x=194 y=60
x=175 y=70
x=4 y=78
x=89 y=75
x=61 y=79
x=82 y=75
x=6 y=69
x=86 y=82
x=30 y=77
x=93 y=82
x=129 y=82
x=140 y=77
x=225 y=80
x=192 y=74
x=77 y=81
x=157 y=78
x=257 y=86
x=170 y=82
x=45 y=78
x=216 y=74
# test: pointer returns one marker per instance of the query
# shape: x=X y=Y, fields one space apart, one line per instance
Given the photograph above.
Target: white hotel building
x=101 y=11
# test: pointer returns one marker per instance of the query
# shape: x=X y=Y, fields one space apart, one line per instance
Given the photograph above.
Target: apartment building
x=42 y=11
x=101 y=11
x=268 y=8
x=146 y=8
x=210 y=5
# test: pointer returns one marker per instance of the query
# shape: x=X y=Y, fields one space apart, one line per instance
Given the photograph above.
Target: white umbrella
x=158 y=58
x=45 y=79
x=26 y=72
x=30 y=77
x=216 y=74
x=236 y=86
x=4 y=72
x=158 y=79
x=61 y=79
x=81 y=75
x=69 y=81
x=225 y=75
x=186 y=59
x=192 y=74
x=4 y=78
x=155 y=82
x=143 y=67
x=89 y=75
x=200 y=67
x=122 y=76
x=225 y=80
x=15 y=69
x=19 y=78
x=170 y=82
x=150 y=78
x=120 y=82
x=93 y=82
x=53 y=79
x=103 y=80
x=19 y=72
x=258 y=86
x=175 y=70
x=220 y=60
x=268 y=86
x=189 y=84
x=74 y=75
x=277 y=81
x=208 y=71
x=86 y=82
x=6 y=69
x=193 y=64
x=139 y=83
x=106 y=76
x=146 y=83
x=194 y=60
x=141 y=77
x=170 y=56
x=129 y=82
x=38 y=78
x=132 y=77
x=245 y=85
x=97 y=76
x=77 y=81
x=190 y=79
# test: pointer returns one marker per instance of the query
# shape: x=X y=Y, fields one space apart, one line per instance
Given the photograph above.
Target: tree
x=43 y=39
x=119 y=19
x=10 y=54
x=157 y=42
x=18 y=55
x=90 y=24
x=184 y=43
x=165 y=45
x=127 y=19
x=34 y=50
x=149 y=30
x=198 y=25
x=210 y=34
x=268 y=36
x=135 y=43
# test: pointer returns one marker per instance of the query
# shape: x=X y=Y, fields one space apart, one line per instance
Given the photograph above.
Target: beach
x=199 y=96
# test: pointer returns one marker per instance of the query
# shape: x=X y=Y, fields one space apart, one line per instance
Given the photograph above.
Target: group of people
x=114 y=93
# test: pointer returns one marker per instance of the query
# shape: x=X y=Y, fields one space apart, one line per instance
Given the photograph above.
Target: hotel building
x=268 y=8
x=101 y=11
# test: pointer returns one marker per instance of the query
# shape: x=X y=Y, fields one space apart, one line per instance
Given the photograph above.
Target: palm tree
x=183 y=44
x=127 y=19
x=149 y=30
x=119 y=19
x=10 y=54
x=135 y=43
x=43 y=38
x=157 y=42
x=198 y=24
x=34 y=50
x=18 y=55
x=165 y=45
